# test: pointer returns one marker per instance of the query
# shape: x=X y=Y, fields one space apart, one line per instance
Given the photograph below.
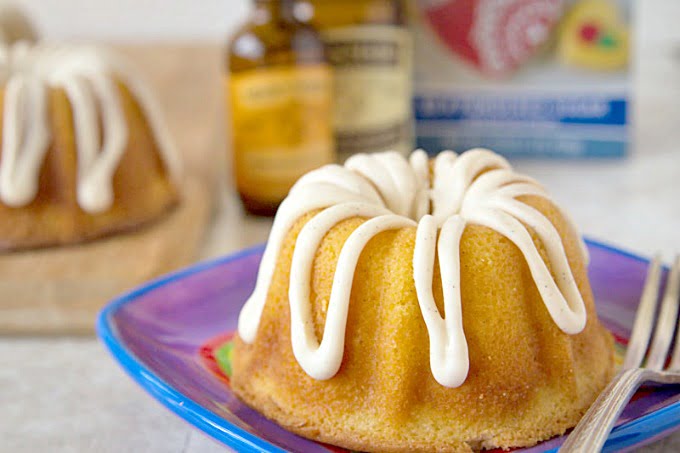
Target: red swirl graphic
x=495 y=36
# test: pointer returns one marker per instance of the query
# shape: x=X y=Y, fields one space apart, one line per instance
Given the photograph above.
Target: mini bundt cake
x=84 y=151
x=422 y=306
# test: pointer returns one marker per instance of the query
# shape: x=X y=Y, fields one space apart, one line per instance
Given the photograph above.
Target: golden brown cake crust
x=528 y=381
x=143 y=191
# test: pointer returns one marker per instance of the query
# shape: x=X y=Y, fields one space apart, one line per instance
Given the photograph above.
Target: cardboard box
x=523 y=77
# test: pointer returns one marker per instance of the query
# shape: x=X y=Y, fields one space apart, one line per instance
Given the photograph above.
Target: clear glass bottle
x=370 y=47
x=281 y=99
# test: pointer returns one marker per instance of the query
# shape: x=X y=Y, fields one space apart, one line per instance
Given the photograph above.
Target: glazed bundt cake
x=409 y=305
x=84 y=151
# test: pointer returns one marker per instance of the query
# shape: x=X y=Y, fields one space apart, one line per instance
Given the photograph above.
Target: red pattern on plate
x=207 y=354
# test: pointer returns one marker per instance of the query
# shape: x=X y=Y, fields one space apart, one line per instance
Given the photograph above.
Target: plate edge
x=187 y=409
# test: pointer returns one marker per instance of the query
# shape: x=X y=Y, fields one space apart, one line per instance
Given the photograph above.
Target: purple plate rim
x=635 y=433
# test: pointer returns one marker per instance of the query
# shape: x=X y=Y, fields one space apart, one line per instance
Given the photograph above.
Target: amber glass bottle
x=370 y=48
x=280 y=96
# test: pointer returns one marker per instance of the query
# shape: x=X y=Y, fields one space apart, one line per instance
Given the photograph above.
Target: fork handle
x=592 y=431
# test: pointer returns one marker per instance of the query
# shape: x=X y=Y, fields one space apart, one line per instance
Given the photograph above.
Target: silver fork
x=592 y=431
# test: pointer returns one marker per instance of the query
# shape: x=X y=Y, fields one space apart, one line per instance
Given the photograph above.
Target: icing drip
x=448 y=348
x=88 y=77
x=323 y=360
x=477 y=187
x=17 y=186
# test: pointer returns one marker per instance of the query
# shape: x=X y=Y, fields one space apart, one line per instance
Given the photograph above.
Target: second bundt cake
x=408 y=305
x=84 y=151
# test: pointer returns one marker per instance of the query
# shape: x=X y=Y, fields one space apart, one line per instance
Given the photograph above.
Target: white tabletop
x=68 y=395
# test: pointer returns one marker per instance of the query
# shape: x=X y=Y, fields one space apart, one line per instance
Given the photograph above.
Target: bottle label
x=282 y=127
x=373 y=65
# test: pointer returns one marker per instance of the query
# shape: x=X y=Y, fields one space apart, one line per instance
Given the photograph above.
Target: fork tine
x=668 y=316
x=675 y=359
x=644 y=320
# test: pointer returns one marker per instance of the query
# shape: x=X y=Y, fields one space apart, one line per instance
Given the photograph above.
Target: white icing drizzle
x=323 y=360
x=477 y=187
x=448 y=348
x=87 y=75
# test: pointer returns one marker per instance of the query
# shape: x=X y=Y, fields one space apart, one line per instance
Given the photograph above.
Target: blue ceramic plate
x=155 y=333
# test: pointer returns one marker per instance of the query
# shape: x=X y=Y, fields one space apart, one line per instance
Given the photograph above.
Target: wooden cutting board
x=61 y=290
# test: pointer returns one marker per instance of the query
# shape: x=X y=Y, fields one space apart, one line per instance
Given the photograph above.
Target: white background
x=136 y=20
x=172 y=20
